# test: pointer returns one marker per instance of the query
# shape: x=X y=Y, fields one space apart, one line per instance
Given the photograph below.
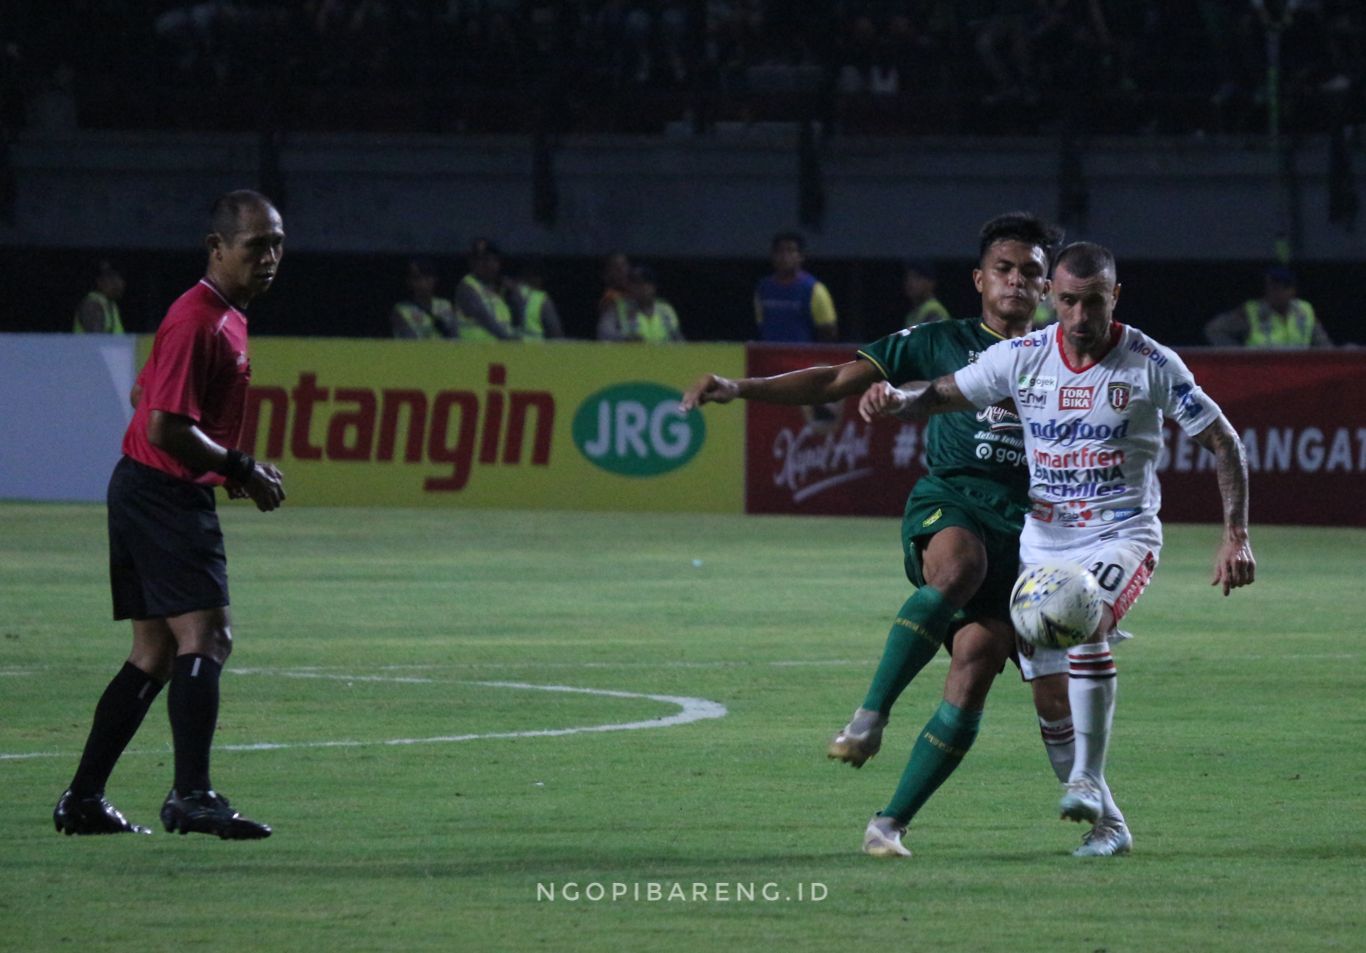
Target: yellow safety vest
x=533 y=300
x=928 y=310
x=1266 y=328
x=424 y=323
x=658 y=327
x=113 y=321
x=1044 y=314
x=472 y=330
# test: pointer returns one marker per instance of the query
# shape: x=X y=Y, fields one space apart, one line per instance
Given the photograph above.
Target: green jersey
x=978 y=449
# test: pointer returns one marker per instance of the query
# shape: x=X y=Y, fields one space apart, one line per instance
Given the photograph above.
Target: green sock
x=947 y=736
x=915 y=637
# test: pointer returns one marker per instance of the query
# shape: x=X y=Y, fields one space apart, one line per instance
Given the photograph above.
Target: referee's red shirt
x=199 y=368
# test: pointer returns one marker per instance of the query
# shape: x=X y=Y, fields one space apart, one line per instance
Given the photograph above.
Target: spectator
x=98 y=312
x=538 y=318
x=423 y=316
x=616 y=294
x=791 y=305
x=919 y=283
x=1277 y=319
x=616 y=277
x=1044 y=314
x=647 y=318
x=482 y=312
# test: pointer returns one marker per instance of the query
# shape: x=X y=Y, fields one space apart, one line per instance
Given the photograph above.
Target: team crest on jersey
x=1119 y=393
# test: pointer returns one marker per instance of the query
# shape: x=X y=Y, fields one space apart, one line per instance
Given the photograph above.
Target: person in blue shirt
x=790 y=305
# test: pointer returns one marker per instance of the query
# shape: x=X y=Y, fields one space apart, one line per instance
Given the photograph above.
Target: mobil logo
x=635 y=430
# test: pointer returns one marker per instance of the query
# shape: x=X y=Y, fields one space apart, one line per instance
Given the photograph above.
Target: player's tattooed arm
x=914 y=401
x=1220 y=439
x=1234 y=565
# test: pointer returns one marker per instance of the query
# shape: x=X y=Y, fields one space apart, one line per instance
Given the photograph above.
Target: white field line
x=689 y=710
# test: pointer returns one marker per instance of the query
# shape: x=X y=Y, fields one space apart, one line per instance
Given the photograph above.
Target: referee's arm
x=181 y=438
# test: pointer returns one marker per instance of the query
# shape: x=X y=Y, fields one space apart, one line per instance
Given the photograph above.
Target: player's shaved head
x=1086 y=259
x=225 y=217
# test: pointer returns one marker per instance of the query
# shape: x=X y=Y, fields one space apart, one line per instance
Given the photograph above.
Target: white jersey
x=1092 y=436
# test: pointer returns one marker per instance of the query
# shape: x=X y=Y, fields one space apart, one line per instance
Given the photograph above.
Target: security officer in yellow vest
x=1277 y=319
x=423 y=316
x=642 y=316
x=535 y=314
x=918 y=283
x=482 y=310
x=98 y=312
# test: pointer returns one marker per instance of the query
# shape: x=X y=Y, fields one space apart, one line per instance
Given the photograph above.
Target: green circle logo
x=635 y=430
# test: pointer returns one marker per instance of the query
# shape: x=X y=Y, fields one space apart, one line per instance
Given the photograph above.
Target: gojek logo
x=635 y=430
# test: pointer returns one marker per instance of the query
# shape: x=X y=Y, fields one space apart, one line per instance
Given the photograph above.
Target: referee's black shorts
x=165 y=545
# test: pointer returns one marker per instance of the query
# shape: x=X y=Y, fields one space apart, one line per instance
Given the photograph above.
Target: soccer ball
x=1056 y=605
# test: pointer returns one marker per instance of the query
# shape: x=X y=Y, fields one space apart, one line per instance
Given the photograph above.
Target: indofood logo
x=635 y=430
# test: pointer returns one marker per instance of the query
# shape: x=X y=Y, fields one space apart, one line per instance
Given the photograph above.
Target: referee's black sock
x=193 y=707
x=117 y=716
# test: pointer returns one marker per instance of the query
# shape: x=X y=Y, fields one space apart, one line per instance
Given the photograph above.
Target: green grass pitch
x=1239 y=752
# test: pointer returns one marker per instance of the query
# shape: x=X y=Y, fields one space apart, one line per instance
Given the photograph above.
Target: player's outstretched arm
x=709 y=389
x=914 y=401
x=810 y=385
x=1234 y=564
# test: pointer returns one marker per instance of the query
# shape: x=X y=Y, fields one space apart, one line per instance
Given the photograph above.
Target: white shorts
x=1123 y=569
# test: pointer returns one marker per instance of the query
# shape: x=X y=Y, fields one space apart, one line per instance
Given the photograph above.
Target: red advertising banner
x=1302 y=416
x=824 y=460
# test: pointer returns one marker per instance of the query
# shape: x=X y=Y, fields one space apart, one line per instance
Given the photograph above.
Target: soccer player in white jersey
x=1092 y=394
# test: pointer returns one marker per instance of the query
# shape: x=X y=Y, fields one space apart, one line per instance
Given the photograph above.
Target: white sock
x=1109 y=810
x=1058 y=744
x=1091 y=693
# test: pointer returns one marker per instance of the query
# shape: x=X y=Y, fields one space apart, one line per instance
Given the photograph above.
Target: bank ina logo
x=634 y=430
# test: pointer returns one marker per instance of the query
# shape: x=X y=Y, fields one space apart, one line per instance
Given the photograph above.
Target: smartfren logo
x=634 y=430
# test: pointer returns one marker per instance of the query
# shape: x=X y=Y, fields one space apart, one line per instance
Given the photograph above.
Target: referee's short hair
x=225 y=215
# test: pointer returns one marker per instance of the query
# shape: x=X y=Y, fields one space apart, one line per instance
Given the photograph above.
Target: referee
x=167 y=567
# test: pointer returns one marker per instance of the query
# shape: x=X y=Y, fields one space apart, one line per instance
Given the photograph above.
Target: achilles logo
x=1074 y=398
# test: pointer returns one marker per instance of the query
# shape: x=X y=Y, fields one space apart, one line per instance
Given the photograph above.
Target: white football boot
x=1109 y=838
x=859 y=740
x=882 y=838
x=1081 y=801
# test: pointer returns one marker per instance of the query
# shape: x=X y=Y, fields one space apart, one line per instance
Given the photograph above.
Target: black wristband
x=238 y=467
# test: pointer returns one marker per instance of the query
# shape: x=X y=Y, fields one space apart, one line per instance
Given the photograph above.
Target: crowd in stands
x=955 y=66
x=503 y=299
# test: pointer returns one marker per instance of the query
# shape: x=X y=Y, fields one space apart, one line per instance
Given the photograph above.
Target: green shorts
x=935 y=504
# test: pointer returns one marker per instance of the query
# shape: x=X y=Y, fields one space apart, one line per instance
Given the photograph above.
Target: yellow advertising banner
x=559 y=425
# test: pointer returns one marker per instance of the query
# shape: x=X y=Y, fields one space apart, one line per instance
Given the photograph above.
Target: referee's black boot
x=208 y=812
x=91 y=815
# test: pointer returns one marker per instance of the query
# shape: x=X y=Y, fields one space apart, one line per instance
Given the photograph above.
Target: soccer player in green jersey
x=961 y=527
